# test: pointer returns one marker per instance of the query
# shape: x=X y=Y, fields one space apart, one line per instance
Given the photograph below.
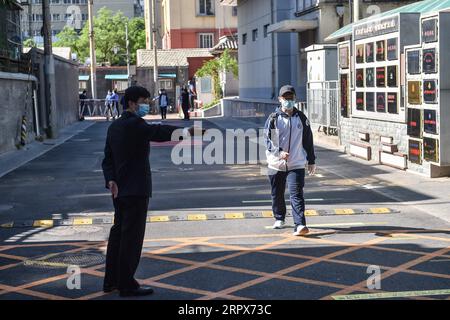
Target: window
x=206 y=40
x=306 y=4
x=82 y=85
x=120 y=85
x=56 y=17
x=55 y=1
x=205 y=84
x=234 y=11
x=266 y=30
x=255 y=34
x=165 y=84
x=206 y=7
x=244 y=38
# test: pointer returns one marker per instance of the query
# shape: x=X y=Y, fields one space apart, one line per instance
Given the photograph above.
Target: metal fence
x=323 y=106
x=95 y=108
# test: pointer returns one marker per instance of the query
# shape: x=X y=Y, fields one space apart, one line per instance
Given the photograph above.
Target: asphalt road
x=233 y=256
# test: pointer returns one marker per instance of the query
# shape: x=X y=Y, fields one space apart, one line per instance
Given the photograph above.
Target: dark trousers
x=125 y=242
x=186 y=112
x=163 y=112
x=296 y=181
x=192 y=102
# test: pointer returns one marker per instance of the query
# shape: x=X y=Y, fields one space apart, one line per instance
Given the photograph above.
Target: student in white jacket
x=290 y=149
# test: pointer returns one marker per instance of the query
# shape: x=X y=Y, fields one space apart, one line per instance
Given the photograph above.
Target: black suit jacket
x=127 y=153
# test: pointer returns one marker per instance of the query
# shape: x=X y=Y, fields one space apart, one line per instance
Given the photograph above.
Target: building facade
x=73 y=13
x=195 y=23
x=273 y=36
x=394 y=87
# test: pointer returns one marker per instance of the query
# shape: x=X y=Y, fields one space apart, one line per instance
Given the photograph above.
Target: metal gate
x=323 y=105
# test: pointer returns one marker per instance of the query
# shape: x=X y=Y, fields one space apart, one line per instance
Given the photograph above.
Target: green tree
x=68 y=37
x=109 y=31
x=29 y=43
x=136 y=35
x=213 y=67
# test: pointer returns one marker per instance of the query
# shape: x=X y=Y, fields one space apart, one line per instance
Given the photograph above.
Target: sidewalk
x=375 y=176
x=12 y=160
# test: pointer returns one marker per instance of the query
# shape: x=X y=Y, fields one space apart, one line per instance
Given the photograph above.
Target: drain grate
x=64 y=260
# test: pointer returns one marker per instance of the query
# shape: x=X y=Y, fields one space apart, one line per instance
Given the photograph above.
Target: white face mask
x=288 y=104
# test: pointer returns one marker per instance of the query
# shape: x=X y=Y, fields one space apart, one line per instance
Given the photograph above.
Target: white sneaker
x=301 y=231
x=279 y=224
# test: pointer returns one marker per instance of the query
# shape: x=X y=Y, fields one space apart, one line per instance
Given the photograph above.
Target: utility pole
x=155 y=50
x=49 y=72
x=92 y=50
x=128 y=54
x=355 y=10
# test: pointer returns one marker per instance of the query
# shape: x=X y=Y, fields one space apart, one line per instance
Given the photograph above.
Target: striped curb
x=83 y=221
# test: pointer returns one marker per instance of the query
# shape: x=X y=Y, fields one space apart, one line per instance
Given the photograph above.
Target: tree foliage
x=109 y=32
x=212 y=68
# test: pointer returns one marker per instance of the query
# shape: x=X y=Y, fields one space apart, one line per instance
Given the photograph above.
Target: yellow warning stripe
x=311 y=213
x=344 y=211
x=196 y=217
x=82 y=221
x=380 y=210
x=43 y=223
x=234 y=215
x=267 y=214
x=159 y=219
x=7 y=225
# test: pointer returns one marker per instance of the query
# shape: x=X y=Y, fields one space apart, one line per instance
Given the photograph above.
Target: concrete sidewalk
x=12 y=160
x=378 y=175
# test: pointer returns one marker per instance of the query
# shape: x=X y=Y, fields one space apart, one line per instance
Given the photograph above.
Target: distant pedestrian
x=163 y=103
x=184 y=98
x=83 y=97
x=108 y=105
x=192 y=94
x=115 y=103
x=290 y=148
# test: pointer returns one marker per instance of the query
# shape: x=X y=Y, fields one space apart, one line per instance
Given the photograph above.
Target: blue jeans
x=296 y=181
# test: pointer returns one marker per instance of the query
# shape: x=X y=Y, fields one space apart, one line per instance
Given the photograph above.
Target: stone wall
x=14 y=105
x=351 y=127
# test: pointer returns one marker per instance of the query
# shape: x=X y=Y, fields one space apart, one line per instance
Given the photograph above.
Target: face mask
x=143 y=110
x=288 y=104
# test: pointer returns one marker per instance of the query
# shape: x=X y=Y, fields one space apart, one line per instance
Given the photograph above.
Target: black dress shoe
x=141 y=291
x=107 y=289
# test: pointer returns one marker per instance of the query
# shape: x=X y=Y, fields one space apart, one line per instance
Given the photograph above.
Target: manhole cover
x=64 y=260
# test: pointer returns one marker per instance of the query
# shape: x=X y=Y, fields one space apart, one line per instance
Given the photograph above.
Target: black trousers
x=163 y=112
x=186 y=111
x=125 y=242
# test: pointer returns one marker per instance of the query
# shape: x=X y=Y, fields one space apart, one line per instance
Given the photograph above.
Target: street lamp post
x=128 y=54
x=92 y=50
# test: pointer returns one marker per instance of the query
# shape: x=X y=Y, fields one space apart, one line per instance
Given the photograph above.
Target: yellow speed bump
x=82 y=221
x=380 y=210
x=234 y=215
x=7 y=225
x=267 y=214
x=196 y=217
x=311 y=213
x=159 y=219
x=344 y=211
x=43 y=223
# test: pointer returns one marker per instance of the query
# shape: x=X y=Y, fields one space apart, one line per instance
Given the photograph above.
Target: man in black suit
x=126 y=168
